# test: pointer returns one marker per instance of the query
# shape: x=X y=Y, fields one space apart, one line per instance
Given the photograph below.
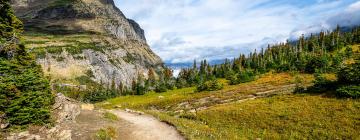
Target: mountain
x=73 y=39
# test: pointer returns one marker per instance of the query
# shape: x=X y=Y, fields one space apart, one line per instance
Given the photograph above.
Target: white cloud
x=348 y=16
x=354 y=7
x=184 y=30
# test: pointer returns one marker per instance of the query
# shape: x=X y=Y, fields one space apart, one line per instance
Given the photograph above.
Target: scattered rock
x=134 y=112
x=68 y=108
x=23 y=136
x=4 y=125
x=192 y=111
x=64 y=135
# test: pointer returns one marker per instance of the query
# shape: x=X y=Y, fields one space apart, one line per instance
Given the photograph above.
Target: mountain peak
x=92 y=36
x=74 y=16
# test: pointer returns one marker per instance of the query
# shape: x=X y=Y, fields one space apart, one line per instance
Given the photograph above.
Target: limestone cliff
x=74 y=38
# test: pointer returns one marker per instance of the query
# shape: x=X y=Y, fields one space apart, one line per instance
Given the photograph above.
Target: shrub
x=246 y=76
x=25 y=94
x=181 y=83
x=106 y=134
x=299 y=85
x=212 y=85
x=315 y=63
x=110 y=116
x=348 y=91
x=161 y=87
x=321 y=84
x=242 y=77
x=350 y=74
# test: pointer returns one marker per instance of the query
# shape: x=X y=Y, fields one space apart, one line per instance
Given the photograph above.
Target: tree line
x=323 y=52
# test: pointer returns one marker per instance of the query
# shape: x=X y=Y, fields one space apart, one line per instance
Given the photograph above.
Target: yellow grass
x=280 y=117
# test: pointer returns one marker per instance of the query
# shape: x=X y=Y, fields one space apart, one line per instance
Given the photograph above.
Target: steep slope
x=91 y=38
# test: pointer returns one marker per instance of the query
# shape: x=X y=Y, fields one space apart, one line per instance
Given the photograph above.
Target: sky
x=180 y=31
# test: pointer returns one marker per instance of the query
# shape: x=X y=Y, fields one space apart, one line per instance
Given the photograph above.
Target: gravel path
x=146 y=127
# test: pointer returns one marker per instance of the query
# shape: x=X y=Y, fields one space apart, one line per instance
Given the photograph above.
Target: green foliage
x=242 y=77
x=161 y=87
x=316 y=62
x=80 y=47
x=348 y=91
x=299 y=86
x=321 y=84
x=106 y=134
x=25 y=95
x=212 y=85
x=61 y=3
x=110 y=116
x=54 y=49
x=10 y=25
x=350 y=74
x=323 y=52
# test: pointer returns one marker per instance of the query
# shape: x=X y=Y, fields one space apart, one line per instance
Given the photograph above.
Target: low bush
x=161 y=87
x=106 y=134
x=212 y=85
x=110 y=116
x=321 y=84
x=348 y=91
x=350 y=74
x=242 y=77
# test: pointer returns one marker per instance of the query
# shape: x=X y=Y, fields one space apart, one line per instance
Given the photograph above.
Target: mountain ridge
x=92 y=38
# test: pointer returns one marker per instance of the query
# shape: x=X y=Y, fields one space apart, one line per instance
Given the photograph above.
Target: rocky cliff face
x=74 y=38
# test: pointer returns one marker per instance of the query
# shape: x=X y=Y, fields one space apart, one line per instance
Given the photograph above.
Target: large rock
x=125 y=54
x=93 y=15
x=65 y=109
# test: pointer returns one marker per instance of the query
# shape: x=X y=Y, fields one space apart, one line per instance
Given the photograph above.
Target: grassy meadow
x=210 y=115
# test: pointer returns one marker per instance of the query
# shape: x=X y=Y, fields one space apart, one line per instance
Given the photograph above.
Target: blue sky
x=183 y=30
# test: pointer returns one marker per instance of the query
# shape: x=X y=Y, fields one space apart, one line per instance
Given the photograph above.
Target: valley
x=265 y=108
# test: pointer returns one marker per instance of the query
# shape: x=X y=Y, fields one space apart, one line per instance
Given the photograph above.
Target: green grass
x=108 y=133
x=40 y=53
x=60 y=3
x=170 y=98
x=35 y=42
x=110 y=116
x=55 y=49
x=300 y=116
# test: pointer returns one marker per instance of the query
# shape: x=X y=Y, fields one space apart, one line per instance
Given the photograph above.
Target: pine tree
x=25 y=95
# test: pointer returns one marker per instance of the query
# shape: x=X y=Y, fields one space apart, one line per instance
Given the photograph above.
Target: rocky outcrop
x=100 y=16
x=65 y=109
x=118 y=50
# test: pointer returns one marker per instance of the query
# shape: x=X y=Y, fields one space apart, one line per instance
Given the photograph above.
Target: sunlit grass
x=301 y=116
x=110 y=116
x=164 y=100
x=279 y=117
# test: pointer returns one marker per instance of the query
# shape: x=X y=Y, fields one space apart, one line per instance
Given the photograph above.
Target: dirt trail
x=146 y=127
x=130 y=126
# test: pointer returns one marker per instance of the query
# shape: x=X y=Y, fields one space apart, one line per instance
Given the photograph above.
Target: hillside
x=85 y=38
x=265 y=109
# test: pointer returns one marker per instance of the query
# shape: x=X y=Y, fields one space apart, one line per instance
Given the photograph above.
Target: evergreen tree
x=25 y=95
